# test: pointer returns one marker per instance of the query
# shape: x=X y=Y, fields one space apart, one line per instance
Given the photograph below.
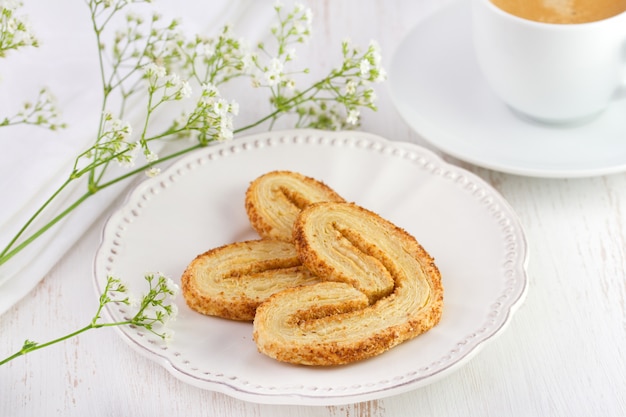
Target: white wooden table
x=562 y=355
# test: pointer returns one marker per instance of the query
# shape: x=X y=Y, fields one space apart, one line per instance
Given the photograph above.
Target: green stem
x=8 y=254
x=96 y=169
x=143 y=168
x=105 y=85
x=26 y=350
x=3 y=254
x=35 y=347
x=276 y=112
x=11 y=250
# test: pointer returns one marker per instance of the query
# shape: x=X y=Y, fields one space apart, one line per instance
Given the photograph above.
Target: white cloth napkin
x=34 y=161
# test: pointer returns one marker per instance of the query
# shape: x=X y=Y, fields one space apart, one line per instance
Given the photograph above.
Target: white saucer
x=438 y=89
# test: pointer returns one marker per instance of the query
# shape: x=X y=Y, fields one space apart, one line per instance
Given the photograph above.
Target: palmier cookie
x=335 y=322
x=274 y=200
x=232 y=280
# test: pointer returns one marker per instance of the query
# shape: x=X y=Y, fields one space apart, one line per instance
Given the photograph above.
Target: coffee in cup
x=562 y=11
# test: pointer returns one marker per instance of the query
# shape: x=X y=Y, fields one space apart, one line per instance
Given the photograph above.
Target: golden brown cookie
x=274 y=200
x=232 y=280
x=355 y=315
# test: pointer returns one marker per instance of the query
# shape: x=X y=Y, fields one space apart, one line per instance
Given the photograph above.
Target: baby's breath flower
x=185 y=89
x=274 y=72
x=168 y=336
x=374 y=53
x=364 y=68
x=247 y=59
x=127 y=158
x=115 y=123
x=207 y=50
x=382 y=75
x=369 y=97
x=151 y=156
x=291 y=54
x=117 y=129
x=308 y=16
x=300 y=28
x=11 y=4
x=172 y=287
x=133 y=301
x=221 y=107
x=209 y=89
x=15 y=31
x=152 y=62
x=174 y=81
x=42 y=112
x=154 y=70
x=234 y=108
x=112 y=143
x=351 y=86
x=151 y=312
x=353 y=117
x=370 y=65
x=135 y=18
x=334 y=102
x=226 y=128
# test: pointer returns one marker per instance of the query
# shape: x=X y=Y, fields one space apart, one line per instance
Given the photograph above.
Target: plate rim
x=301 y=397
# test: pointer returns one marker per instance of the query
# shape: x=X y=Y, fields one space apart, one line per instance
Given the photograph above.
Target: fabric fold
x=35 y=161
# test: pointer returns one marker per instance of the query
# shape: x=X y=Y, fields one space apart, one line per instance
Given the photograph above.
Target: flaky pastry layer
x=232 y=280
x=274 y=200
x=383 y=289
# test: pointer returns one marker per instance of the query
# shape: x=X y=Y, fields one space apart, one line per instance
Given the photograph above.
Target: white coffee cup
x=553 y=73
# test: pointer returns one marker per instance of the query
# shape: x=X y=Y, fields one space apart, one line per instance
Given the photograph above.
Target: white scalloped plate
x=198 y=204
